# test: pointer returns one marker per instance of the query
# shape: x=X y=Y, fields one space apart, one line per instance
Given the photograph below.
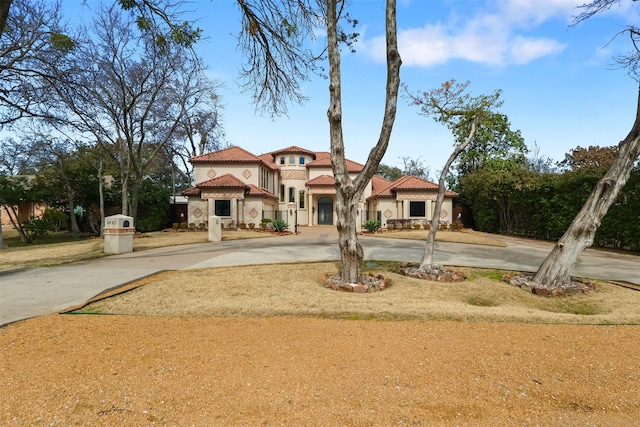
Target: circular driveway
x=39 y=291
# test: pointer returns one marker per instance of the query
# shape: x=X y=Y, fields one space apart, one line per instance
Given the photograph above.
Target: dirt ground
x=62 y=370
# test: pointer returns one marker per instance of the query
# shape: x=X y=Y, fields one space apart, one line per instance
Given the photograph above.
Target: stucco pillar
x=240 y=211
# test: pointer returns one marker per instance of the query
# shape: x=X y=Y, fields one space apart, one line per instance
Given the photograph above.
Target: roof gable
x=223 y=181
x=407 y=183
x=232 y=154
x=259 y=192
x=323 y=160
x=294 y=149
x=322 y=180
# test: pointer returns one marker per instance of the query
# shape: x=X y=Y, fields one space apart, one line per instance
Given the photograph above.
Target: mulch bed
x=525 y=281
x=367 y=284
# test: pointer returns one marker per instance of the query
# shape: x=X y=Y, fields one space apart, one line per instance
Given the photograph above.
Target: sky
x=560 y=85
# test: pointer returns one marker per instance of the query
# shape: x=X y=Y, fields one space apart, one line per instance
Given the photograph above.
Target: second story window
x=292 y=160
x=302 y=160
x=282 y=160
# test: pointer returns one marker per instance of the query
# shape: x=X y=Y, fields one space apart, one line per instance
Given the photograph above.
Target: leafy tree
x=389 y=172
x=496 y=195
x=493 y=139
x=461 y=113
x=415 y=167
x=154 y=207
x=591 y=157
x=14 y=191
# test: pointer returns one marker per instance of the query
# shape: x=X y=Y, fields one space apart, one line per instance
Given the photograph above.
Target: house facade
x=297 y=185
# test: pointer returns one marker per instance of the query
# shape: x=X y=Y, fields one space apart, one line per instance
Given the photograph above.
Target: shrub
x=372 y=225
x=175 y=226
x=183 y=225
x=55 y=220
x=251 y=226
x=34 y=228
x=417 y=226
x=264 y=222
x=192 y=226
x=242 y=225
x=279 y=225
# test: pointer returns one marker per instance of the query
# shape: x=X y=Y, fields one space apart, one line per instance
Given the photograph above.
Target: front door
x=325 y=211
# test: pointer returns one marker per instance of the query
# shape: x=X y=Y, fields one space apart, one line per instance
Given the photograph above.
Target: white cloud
x=523 y=50
x=500 y=35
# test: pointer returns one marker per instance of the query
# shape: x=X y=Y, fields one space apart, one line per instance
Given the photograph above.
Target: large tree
x=349 y=190
x=34 y=36
x=555 y=270
x=129 y=94
x=462 y=114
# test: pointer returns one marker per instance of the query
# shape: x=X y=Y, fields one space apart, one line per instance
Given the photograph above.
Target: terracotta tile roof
x=223 y=181
x=378 y=183
x=323 y=160
x=193 y=191
x=228 y=181
x=269 y=161
x=228 y=155
x=408 y=183
x=294 y=149
x=322 y=180
x=259 y=192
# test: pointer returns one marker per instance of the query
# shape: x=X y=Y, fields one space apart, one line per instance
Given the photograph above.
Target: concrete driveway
x=38 y=291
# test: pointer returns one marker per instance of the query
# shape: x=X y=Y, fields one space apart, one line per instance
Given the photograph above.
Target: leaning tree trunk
x=2 y=245
x=15 y=220
x=427 y=264
x=555 y=271
x=349 y=191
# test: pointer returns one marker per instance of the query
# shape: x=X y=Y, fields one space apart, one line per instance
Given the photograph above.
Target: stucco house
x=296 y=184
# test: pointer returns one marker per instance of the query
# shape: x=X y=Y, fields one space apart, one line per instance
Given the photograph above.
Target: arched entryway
x=325 y=211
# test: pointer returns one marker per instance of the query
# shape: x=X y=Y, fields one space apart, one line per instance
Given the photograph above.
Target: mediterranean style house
x=297 y=185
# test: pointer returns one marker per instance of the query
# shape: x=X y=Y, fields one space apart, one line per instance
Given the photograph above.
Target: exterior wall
x=197 y=211
x=294 y=177
x=388 y=209
x=252 y=211
x=247 y=173
x=25 y=211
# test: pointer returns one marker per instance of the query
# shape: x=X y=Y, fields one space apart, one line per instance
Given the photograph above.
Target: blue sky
x=560 y=86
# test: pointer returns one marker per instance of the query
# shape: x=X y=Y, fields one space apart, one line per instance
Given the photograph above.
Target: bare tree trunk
x=72 y=215
x=349 y=191
x=2 y=245
x=125 y=195
x=427 y=260
x=135 y=197
x=101 y=194
x=555 y=271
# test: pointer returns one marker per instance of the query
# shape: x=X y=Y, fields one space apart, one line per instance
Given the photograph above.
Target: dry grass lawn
x=296 y=290
x=61 y=253
x=473 y=238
